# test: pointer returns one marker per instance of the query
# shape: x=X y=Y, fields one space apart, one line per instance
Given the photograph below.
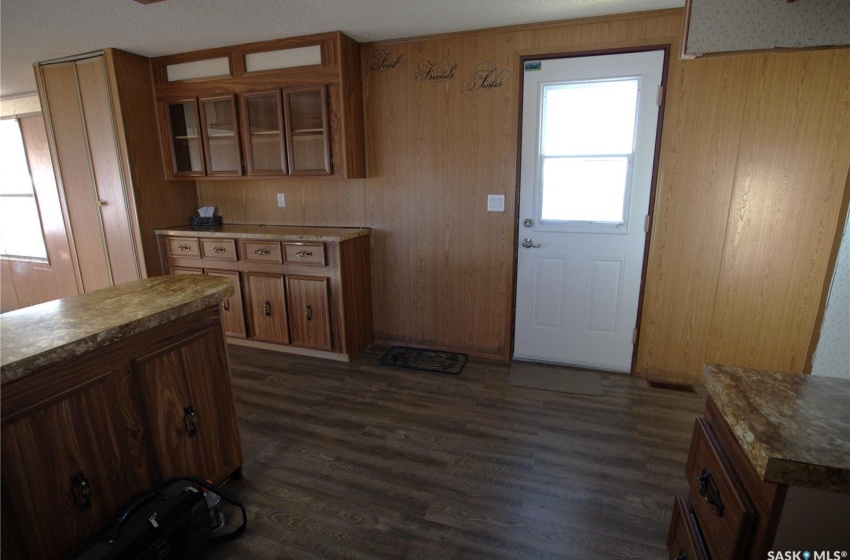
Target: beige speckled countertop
x=288 y=233
x=794 y=428
x=46 y=334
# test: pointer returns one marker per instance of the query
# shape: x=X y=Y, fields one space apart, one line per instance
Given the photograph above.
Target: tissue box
x=206 y=221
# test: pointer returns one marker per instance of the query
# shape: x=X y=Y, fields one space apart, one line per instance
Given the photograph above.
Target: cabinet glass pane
x=265 y=133
x=308 y=132
x=222 y=140
x=183 y=121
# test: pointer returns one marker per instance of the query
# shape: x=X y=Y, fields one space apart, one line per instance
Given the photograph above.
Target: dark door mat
x=423 y=360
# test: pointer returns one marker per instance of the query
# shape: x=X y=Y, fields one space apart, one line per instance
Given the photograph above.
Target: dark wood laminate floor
x=367 y=462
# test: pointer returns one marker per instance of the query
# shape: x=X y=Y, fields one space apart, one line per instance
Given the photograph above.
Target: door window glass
x=587 y=144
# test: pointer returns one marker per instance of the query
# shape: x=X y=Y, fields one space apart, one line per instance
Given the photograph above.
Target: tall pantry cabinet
x=101 y=120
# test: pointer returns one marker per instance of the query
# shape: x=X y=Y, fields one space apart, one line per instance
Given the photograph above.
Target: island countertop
x=286 y=233
x=46 y=334
x=795 y=429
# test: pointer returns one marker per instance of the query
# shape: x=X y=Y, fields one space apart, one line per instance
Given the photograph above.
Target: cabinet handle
x=308 y=311
x=219 y=249
x=267 y=308
x=681 y=555
x=709 y=491
x=81 y=491
x=190 y=420
x=263 y=252
x=302 y=253
x=183 y=247
x=226 y=304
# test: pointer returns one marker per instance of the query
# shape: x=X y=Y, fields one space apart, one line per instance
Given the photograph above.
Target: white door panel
x=589 y=126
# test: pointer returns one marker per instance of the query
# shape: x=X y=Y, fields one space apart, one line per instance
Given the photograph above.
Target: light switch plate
x=495 y=203
x=281 y=200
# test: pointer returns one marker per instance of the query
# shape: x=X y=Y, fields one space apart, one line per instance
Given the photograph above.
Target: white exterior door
x=588 y=144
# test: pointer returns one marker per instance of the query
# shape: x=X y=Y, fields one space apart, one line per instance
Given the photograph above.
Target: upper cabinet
x=289 y=107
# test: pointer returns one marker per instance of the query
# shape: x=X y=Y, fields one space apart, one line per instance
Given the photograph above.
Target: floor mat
x=555 y=378
x=423 y=360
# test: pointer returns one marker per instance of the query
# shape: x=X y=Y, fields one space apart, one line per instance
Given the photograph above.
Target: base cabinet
x=304 y=292
x=80 y=439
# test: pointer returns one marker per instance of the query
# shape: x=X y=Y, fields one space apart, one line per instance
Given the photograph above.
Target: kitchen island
x=769 y=468
x=104 y=395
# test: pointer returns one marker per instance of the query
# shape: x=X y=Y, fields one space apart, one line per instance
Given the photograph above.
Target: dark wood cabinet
x=83 y=437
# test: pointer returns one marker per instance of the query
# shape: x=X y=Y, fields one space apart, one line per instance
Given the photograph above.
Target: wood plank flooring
x=362 y=461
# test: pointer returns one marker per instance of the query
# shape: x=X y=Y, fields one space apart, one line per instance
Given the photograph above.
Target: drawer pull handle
x=263 y=252
x=308 y=311
x=303 y=253
x=190 y=420
x=267 y=308
x=681 y=555
x=183 y=247
x=709 y=491
x=81 y=491
x=219 y=249
x=226 y=304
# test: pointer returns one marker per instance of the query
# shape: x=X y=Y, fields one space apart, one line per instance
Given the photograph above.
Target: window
x=20 y=224
x=587 y=144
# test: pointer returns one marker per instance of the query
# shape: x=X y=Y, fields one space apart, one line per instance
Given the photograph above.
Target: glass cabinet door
x=221 y=140
x=307 y=131
x=262 y=132
x=186 y=156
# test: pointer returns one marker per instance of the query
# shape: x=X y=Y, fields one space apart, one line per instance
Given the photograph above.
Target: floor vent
x=672 y=386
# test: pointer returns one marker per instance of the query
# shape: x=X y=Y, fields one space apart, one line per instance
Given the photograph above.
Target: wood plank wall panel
x=443 y=266
x=153 y=202
x=705 y=106
x=792 y=165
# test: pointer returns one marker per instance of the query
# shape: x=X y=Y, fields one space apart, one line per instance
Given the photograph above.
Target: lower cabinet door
x=232 y=314
x=267 y=306
x=67 y=469
x=185 y=390
x=309 y=317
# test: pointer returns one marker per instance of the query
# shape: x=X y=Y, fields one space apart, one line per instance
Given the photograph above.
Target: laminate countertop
x=46 y=334
x=794 y=428
x=285 y=233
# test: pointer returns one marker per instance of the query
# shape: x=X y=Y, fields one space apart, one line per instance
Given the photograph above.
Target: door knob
x=529 y=244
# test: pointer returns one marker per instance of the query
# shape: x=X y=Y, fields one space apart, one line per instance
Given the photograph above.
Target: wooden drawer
x=219 y=249
x=183 y=247
x=723 y=511
x=262 y=251
x=312 y=254
x=684 y=541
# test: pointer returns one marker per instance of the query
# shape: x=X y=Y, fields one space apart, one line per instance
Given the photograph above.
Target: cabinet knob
x=81 y=491
x=302 y=253
x=267 y=308
x=308 y=312
x=263 y=252
x=226 y=304
x=190 y=420
x=102 y=203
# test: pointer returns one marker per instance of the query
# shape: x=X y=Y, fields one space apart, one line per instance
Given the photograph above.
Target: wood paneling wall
x=443 y=265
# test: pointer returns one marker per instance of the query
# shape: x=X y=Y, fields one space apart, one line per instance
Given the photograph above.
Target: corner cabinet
x=289 y=107
x=303 y=290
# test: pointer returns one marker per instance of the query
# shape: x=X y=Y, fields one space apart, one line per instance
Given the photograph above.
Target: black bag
x=171 y=521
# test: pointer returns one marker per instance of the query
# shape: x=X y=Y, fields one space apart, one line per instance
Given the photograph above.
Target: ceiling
x=37 y=30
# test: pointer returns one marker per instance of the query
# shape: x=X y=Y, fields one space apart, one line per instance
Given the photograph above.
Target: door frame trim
x=667 y=48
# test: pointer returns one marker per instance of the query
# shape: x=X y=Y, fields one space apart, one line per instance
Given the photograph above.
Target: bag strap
x=236 y=533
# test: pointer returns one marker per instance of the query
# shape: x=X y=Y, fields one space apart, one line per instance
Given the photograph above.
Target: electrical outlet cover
x=495 y=203
x=281 y=200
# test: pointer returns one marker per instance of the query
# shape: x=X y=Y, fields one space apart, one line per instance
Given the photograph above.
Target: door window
x=586 y=150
